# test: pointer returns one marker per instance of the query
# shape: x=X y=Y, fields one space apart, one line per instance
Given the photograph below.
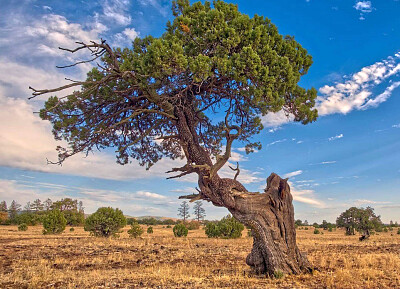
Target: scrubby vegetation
x=135 y=230
x=105 y=222
x=54 y=222
x=227 y=228
x=180 y=230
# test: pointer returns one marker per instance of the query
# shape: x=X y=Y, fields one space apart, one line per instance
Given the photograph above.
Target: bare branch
x=237 y=170
x=192 y=198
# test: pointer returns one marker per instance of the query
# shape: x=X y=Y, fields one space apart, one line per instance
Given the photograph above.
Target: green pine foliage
x=227 y=228
x=105 y=222
x=180 y=230
x=212 y=52
x=23 y=227
x=136 y=230
x=212 y=230
x=54 y=222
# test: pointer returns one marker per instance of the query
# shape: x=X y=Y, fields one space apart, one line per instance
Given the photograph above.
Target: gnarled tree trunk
x=270 y=214
x=271 y=217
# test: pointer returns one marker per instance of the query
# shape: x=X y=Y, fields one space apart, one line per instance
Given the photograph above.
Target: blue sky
x=349 y=157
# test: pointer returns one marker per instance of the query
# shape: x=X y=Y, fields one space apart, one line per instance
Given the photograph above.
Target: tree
x=72 y=210
x=199 y=211
x=3 y=206
x=105 y=222
x=54 y=222
x=48 y=204
x=28 y=207
x=191 y=93
x=183 y=211
x=37 y=205
x=13 y=210
x=360 y=220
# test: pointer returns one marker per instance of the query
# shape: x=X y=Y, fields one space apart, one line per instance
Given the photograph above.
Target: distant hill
x=155 y=217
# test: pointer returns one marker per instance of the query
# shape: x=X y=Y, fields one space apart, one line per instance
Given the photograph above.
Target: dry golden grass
x=76 y=260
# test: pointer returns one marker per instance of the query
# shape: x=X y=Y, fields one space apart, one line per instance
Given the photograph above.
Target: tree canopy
x=211 y=58
x=359 y=219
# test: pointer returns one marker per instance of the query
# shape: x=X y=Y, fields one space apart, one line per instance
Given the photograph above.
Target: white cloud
x=396 y=125
x=117 y=11
x=381 y=97
x=339 y=136
x=306 y=196
x=276 y=119
x=356 y=92
x=328 y=162
x=364 y=6
x=161 y=6
x=292 y=174
x=276 y=142
x=149 y=195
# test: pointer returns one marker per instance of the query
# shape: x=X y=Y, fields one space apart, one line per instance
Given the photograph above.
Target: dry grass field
x=76 y=260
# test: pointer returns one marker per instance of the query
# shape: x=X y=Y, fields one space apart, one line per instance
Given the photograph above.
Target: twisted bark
x=270 y=214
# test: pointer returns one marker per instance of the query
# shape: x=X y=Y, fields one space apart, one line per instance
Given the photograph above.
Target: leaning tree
x=205 y=83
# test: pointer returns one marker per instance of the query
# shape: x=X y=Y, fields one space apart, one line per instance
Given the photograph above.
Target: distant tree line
x=35 y=212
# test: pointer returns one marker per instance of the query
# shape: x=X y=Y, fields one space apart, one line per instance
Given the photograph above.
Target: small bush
x=105 y=222
x=306 y=228
x=23 y=227
x=150 y=230
x=212 y=230
x=330 y=229
x=71 y=229
x=180 y=230
x=316 y=231
x=230 y=228
x=385 y=230
x=278 y=274
x=193 y=225
x=249 y=233
x=398 y=231
x=54 y=222
x=169 y=226
x=135 y=230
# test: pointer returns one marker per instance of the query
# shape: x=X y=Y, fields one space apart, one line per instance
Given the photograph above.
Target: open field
x=76 y=260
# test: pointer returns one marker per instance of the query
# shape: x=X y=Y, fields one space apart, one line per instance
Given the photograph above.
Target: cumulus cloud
x=363 y=7
x=356 y=92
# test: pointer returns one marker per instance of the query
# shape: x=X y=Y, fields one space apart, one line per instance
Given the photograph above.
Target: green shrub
x=180 y=230
x=306 y=228
x=278 y=274
x=150 y=230
x=330 y=229
x=316 y=231
x=135 y=230
x=193 y=225
x=105 y=222
x=169 y=226
x=398 y=231
x=385 y=230
x=71 y=229
x=212 y=230
x=249 y=233
x=227 y=228
x=54 y=222
x=230 y=228
x=23 y=227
